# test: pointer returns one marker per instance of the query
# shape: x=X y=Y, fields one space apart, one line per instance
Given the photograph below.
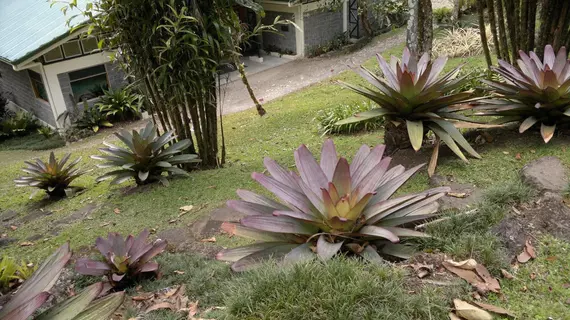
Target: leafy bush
x=536 y=92
x=4 y=111
x=20 y=124
x=33 y=141
x=413 y=100
x=146 y=158
x=54 y=176
x=46 y=132
x=388 y=13
x=461 y=42
x=123 y=259
x=327 y=119
x=120 y=104
x=11 y=273
x=72 y=134
x=35 y=292
x=86 y=117
x=442 y=15
x=332 y=207
x=338 y=42
x=341 y=289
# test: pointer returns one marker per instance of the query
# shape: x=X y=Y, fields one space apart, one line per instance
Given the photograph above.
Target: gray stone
x=226 y=214
x=8 y=215
x=461 y=196
x=546 y=174
x=176 y=236
x=6 y=241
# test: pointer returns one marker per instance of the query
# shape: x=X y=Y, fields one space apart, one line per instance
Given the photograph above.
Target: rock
x=8 y=215
x=546 y=174
x=462 y=196
x=176 y=236
x=6 y=241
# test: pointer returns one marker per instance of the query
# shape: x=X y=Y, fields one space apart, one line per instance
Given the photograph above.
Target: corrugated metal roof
x=27 y=26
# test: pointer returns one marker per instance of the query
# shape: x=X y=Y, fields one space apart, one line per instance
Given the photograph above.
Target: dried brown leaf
x=186 y=208
x=530 y=249
x=161 y=305
x=212 y=239
x=26 y=244
x=469 y=264
x=14 y=228
x=470 y=312
x=523 y=257
x=117 y=210
x=491 y=281
x=494 y=309
x=506 y=274
x=457 y=194
x=178 y=272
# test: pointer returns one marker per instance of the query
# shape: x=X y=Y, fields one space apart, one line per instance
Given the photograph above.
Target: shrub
x=35 y=292
x=332 y=207
x=442 y=15
x=120 y=104
x=146 y=158
x=413 y=101
x=4 y=111
x=72 y=134
x=86 y=117
x=124 y=260
x=46 y=132
x=536 y=92
x=326 y=119
x=11 y=273
x=54 y=176
x=460 y=42
x=19 y=124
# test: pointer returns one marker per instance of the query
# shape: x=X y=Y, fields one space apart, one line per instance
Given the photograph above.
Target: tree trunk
x=502 y=33
x=510 y=14
x=531 y=25
x=523 y=28
x=493 y=23
x=419 y=35
x=243 y=76
x=456 y=10
x=483 y=32
x=396 y=137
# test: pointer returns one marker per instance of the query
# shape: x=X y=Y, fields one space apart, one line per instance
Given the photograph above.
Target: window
x=71 y=49
x=38 y=85
x=89 y=45
x=88 y=83
x=53 y=55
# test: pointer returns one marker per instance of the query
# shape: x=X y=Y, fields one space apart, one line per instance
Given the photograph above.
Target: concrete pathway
x=284 y=79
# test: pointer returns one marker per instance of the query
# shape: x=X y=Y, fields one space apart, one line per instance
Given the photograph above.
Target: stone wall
x=17 y=83
x=285 y=40
x=321 y=27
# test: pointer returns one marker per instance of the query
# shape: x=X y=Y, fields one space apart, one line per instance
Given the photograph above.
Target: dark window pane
x=38 y=85
x=53 y=55
x=88 y=72
x=90 y=45
x=71 y=49
x=89 y=88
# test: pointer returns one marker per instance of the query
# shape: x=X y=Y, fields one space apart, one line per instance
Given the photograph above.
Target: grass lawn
x=377 y=292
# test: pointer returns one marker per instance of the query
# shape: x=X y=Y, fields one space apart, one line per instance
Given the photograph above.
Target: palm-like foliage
x=124 y=259
x=328 y=208
x=35 y=292
x=413 y=98
x=54 y=176
x=146 y=158
x=120 y=103
x=535 y=92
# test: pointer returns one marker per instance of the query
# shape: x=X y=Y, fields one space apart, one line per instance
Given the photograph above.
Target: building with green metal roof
x=44 y=68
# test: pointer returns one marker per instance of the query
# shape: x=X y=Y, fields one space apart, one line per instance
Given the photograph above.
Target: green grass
x=340 y=289
x=32 y=141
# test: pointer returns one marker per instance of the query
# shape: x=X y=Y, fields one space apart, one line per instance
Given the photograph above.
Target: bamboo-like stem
x=483 y=32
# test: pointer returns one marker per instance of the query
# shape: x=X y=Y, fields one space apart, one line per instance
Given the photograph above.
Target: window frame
x=54 y=60
x=90 y=76
x=85 y=52
x=78 y=46
x=34 y=82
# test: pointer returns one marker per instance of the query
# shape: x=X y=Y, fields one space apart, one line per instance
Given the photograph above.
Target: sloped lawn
x=345 y=289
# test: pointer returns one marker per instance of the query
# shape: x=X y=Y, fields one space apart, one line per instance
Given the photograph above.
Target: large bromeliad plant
x=329 y=208
x=415 y=100
x=35 y=292
x=537 y=92
x=146 y=157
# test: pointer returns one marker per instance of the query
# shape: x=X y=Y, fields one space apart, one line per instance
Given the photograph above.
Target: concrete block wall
x=18 y=84
x=285 y=40
x=321 y=27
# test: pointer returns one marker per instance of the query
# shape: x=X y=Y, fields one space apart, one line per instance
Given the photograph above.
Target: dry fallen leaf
x=14 y=228
x=161 y=305
x=4 y=235
x=479 y=278
x=192 y=310
x=104 y=224
x=528 y=253
x=457 y=194
x=533 y=276
x=26 y=244
x=470 y=312
x=506 y=274
x=452 y=316
x=186 y=208
x=173 y=221
x=178 y=272
x=494 y=309
x=469 y=264
x=212 y=239
x=518 y=156
x=117 y=210
x=142 y=297
x=551 y=258
x=505 y=152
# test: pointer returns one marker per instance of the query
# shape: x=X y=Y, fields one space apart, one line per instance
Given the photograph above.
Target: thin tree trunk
x=546 y=13
x=561 y=27
x=243 y=76
x=502 y=33
x=523 y=28
x=483 y=32
x=531 y=25
x=456 y=10
x=493 y=23
x=155 y=101
x=511 y=27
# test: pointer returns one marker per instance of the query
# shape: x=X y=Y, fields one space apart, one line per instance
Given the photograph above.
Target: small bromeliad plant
x=120 y=104
x=326 y=119
x=13 y=273
x=414 y=101
x=146 y=158
x=329 y=208
x=123 y=259
x=34 y=292
x=537 y=92
x=52 y=176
